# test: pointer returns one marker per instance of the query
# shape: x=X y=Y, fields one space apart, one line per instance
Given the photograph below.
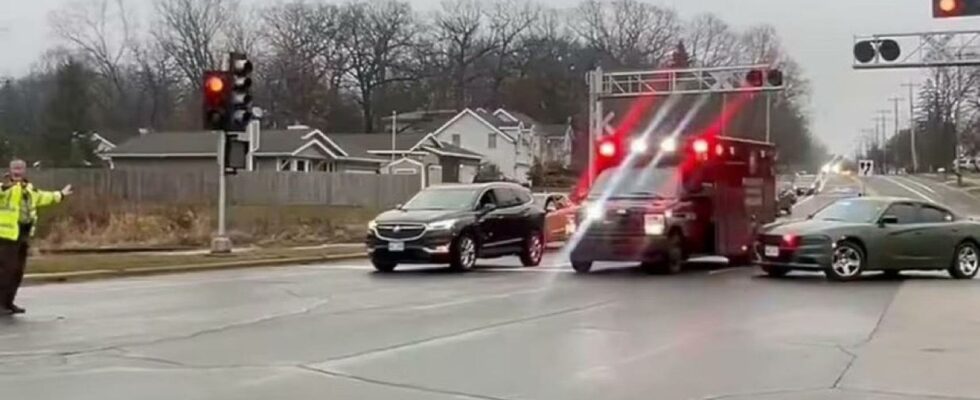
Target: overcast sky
x=817 y=33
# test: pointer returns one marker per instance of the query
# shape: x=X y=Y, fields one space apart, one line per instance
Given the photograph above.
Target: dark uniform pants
x=13 y=262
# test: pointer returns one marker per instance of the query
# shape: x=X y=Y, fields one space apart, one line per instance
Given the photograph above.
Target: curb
x=62 y=277
x=59 y=277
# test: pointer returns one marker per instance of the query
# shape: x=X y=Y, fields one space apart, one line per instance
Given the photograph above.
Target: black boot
x=14 y=309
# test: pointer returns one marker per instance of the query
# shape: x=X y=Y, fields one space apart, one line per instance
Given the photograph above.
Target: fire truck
x=660 y=201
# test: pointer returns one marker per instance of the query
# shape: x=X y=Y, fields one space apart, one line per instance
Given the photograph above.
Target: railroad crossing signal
x=866 y=167
x=955 y=8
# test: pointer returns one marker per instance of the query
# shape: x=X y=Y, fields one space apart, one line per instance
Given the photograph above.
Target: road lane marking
x=724 y=270
x=909 y=188
x=909 y=180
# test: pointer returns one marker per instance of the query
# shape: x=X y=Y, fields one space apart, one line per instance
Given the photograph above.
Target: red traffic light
x=754 y=78
x=214 y=84
x=955 y=8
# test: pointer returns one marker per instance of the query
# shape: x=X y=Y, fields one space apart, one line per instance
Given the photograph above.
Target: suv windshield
x=851 y=211
x=442 y=199
x=637 y=183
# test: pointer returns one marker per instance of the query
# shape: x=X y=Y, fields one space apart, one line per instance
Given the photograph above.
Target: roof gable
x=482 y=117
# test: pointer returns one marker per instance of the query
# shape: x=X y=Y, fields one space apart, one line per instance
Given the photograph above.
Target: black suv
x=456 y=224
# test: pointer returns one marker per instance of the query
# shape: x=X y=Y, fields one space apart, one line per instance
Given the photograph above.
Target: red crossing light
x=700 y=146
x=607 y=148
x=955 y=8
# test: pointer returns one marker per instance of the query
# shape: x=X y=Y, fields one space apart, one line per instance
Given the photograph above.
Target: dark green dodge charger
x=850 y=236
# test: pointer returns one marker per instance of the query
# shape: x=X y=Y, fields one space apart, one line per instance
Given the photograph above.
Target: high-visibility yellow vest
x=10 y=204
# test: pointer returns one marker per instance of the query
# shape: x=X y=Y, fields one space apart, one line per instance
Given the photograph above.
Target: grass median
x=121 y=262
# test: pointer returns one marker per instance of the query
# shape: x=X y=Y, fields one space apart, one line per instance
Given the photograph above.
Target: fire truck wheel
x=582 y=266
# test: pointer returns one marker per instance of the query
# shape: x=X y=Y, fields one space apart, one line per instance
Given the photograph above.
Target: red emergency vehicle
x=664 y=200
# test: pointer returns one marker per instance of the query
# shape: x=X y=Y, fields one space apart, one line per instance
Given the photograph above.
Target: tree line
x=946 y=118
x=341 y=67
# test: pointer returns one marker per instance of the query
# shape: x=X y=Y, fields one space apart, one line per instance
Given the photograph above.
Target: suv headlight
x=371 y=225
x=441 y=225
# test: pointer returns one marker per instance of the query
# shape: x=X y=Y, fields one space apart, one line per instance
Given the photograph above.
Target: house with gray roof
x=300 y=150
x=303 y=149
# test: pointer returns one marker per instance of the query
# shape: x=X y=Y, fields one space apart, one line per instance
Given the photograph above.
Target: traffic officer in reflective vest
x=19 y=202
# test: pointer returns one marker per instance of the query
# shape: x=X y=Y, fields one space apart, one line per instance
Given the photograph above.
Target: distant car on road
x=806 y=185
x=559 y=215
x=853 y=235
x=457 y=224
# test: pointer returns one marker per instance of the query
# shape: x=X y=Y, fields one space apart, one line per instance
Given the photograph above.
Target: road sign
x=866 y=167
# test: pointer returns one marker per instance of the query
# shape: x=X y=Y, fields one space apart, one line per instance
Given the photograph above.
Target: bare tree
x=377 y=38
x=629 y=33
x=190 y=32
x=102 y=31
x=306 y=62
x=463 y=39
x=510 y=22
x=710 y=41
x=760 y=44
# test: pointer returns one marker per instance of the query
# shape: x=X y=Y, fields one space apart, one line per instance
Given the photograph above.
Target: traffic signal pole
x=228 y=109
x=221 y=243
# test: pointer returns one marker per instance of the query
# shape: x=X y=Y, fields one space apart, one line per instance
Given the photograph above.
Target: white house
x=501 y=137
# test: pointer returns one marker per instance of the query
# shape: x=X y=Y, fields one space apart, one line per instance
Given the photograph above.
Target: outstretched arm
x=47 y=198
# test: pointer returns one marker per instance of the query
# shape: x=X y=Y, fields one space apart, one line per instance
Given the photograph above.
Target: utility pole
x=895 y=101
x=915 y=155
x=394 y=124
x=883 y=117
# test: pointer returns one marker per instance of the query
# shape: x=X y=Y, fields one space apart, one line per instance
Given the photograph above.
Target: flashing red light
x=607 y=149
x=719 y=150
x=789 y=240
x=700 y=146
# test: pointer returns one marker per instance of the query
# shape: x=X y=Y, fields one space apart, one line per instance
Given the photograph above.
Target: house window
x=283 y=164
x=456 y=140
x=492 y=141
x=302 y=166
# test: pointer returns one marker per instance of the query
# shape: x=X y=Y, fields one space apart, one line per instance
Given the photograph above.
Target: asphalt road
x=340 y=331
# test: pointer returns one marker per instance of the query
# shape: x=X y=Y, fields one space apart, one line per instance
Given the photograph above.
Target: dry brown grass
x=83 y=223
x=116 y=262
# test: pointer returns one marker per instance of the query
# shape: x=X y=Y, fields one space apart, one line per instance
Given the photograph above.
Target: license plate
x=396 y=246
x=772 y=251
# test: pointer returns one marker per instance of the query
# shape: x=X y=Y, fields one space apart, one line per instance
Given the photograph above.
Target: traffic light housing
x=867 y=51
x=215 y=88
x=758 y=78
x=240 y=94
x=955 y=8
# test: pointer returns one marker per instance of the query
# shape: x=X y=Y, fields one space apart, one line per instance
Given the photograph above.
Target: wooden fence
x=247 y=188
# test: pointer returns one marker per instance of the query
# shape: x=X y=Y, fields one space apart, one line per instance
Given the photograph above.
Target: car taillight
x=790 y=240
